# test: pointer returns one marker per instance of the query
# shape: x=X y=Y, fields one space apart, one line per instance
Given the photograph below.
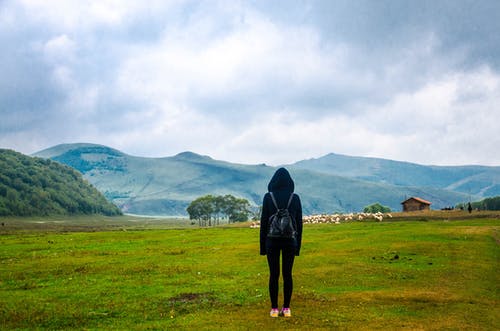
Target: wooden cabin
x=415 y=204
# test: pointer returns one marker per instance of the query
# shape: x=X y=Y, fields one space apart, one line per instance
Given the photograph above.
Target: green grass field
x=416 y=275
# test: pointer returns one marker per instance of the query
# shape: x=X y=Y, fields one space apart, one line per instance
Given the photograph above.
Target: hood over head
x=281 y=181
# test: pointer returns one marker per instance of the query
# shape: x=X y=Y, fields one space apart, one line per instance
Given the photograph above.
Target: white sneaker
x=286 y=312
x=274 y=312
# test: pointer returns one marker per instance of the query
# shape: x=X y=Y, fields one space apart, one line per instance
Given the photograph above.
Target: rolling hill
x=479 y=181
x=166 y=186
x=38 y=187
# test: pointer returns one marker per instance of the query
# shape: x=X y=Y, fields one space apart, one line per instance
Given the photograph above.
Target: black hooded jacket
x=282 y=186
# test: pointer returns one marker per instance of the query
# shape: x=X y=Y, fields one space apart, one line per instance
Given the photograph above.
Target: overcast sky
x=255 y=81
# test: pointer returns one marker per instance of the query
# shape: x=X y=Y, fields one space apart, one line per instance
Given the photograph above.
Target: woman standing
x=280 y=189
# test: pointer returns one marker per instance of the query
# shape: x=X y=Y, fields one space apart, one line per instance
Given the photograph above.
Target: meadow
x=418 y=274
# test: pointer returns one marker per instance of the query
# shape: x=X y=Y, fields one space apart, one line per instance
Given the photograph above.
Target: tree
x=239 y=210
x=492 y=203
x=376 y=208
x=210 y=209
x=219 y=207
x=203 y=209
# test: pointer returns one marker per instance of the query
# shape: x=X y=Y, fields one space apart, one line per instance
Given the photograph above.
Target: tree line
x=492 y=203
x=32 y=186
x=212 y=209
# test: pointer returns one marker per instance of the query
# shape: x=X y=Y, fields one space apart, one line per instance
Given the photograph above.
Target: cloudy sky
x=255 y=81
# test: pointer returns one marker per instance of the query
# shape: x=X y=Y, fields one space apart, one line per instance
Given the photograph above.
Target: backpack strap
x=289 y=201
x=274 y=200
x=276 y=204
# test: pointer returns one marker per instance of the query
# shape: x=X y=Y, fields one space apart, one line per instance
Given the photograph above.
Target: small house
x=415 y=204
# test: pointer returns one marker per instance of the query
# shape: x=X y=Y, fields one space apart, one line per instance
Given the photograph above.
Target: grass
x=414 y=275
x=90 y=223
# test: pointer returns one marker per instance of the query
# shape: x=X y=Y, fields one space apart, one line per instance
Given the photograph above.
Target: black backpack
x=281 y=223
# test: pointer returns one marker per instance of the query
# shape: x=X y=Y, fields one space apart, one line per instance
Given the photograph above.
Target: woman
x=282 y=187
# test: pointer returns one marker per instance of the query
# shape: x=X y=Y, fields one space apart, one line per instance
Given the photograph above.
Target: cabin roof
x=417 y=199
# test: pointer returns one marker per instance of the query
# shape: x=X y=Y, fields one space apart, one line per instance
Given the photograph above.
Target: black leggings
x=274 y=251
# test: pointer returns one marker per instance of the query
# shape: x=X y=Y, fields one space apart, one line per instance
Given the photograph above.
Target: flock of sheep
x=337 y=218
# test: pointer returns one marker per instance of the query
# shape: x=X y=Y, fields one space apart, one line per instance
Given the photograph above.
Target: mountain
x=480 y=181
x=158 y=186
x=35 y=186
x=166 y=186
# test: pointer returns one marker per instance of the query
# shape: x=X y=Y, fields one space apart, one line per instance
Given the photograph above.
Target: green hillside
x=481 y=181
x=35 y=186
x=166 y=186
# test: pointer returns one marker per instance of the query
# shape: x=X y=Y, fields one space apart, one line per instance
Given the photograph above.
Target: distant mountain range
x=481 y=181
x=333 y=183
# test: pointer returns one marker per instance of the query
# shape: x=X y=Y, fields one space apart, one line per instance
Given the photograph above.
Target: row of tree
x=212 y=209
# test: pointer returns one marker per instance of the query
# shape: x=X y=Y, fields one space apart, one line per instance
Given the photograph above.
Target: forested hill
x=32 y=186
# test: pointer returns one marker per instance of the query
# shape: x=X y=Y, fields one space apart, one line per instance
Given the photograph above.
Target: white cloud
x=427 y=124
x=241 y=61
x=59 y=49
x=441 y=123
x=227 y=79
x=87 y=15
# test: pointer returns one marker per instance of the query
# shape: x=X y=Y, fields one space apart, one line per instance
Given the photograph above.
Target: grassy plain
x=423 y=274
